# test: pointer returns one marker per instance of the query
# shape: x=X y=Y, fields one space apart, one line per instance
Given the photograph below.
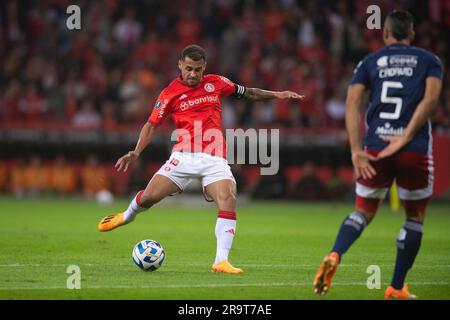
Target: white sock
x=225 y=230
x=133 y=209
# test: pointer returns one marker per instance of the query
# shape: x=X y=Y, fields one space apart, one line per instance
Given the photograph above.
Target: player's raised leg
x=157 y=189
x=223 y=192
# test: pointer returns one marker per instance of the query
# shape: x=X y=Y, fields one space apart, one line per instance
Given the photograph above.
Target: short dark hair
x=193 y=51
x=400 y=24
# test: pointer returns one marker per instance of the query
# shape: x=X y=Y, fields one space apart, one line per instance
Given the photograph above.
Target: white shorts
x=183 y=167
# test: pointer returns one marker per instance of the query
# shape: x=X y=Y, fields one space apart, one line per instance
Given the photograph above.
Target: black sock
x=408 y=244
x=350 y=230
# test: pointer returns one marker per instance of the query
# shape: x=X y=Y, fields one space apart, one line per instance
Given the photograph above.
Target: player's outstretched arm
x=145 y=137
x=256 y=94
x=360 y=157
x=424 y=110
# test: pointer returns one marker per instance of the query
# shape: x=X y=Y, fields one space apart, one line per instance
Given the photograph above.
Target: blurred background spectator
x=63 y=178
x=104 y=79
x=36 y=177
x=121 y=55
x=271 y=187
x=93 y=177
x=310 y=187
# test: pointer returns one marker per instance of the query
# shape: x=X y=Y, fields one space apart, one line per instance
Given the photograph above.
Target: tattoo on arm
x=256 y=94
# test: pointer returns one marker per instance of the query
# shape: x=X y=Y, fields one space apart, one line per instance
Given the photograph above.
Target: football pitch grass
x=279 y=245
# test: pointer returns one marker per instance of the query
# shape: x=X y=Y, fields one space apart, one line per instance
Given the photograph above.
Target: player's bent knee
x=367 y=206
x=148 y=199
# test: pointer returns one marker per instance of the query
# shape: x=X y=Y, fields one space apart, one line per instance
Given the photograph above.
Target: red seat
x=347 y=175
x=152 y=168
x=324 y=174
x=78 y=167
x=293 y=175
x=251 y=175
x=118 y=180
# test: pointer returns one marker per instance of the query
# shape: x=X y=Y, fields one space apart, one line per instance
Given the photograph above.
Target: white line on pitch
x=24 y=265
x=222 y=285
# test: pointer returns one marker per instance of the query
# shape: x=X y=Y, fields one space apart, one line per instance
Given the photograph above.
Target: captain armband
x=239 y=91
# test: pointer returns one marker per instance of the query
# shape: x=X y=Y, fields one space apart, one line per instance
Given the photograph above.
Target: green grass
x=278 y=244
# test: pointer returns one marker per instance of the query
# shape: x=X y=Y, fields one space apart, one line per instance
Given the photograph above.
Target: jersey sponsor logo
x=163 y=106
x=382 y=62
x=387 y=130
x=193 y=102
x=209 y=87
x=403 y=60
x=399 y=65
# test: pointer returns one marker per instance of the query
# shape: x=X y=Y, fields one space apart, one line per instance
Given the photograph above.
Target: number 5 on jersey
x=387 y=99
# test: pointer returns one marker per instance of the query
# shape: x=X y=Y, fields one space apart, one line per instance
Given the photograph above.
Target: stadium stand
x=89 y=91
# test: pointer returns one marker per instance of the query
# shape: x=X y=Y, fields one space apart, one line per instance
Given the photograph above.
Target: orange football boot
x=392 y=293
x=111 y=222
x=225 y=267
x=325 y=273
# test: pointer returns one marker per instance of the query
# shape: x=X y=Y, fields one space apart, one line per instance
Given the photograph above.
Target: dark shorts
x=413 y=173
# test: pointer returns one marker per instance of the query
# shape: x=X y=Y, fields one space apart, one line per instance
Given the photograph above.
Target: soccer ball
x=148 y=255
x=104 y=197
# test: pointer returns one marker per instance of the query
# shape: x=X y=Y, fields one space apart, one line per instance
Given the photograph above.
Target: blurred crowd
x=107 y=75
x=36 y=177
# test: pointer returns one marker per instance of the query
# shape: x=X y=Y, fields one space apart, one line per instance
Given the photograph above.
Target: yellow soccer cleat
x=392 y=293
x=111 y=222
x=325 y=273
x=225 y=267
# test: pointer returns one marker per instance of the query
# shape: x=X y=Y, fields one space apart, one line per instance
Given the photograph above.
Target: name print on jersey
x=396 y=65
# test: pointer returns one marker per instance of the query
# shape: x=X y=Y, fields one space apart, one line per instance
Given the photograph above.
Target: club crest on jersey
x=209 y=87
x=158 y=104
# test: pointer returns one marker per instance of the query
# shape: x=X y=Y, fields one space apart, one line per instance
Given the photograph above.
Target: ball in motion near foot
x=148 y=255
x=104 y=197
